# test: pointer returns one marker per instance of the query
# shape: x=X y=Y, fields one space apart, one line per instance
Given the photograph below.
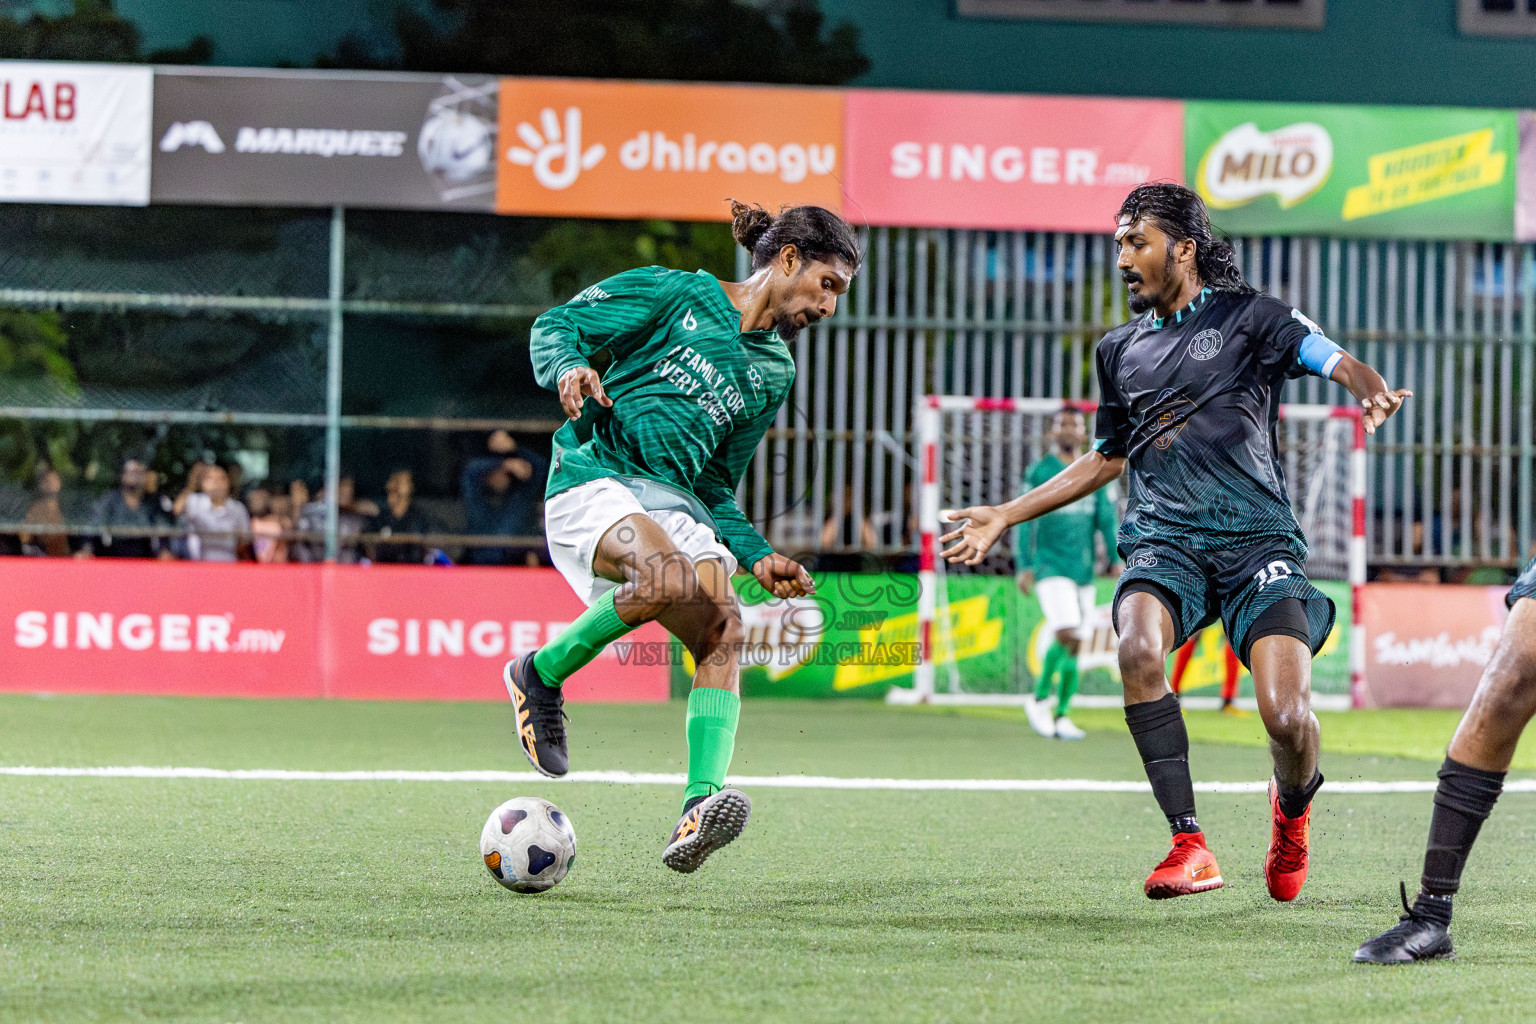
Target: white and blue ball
x=528 y=844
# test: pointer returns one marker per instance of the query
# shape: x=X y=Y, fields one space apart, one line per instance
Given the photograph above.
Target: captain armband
x=1320 y=355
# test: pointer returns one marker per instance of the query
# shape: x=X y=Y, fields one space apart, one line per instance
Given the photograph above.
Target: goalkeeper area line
x=677 y=779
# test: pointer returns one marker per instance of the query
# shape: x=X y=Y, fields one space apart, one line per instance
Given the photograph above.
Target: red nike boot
x=1188 y=868
x=1285 y=865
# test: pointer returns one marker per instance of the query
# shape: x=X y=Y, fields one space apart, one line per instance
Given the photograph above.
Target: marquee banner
x=262 y=138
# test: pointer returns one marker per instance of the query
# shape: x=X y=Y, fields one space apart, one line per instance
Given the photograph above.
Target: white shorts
x=1066 y=605
x=575 y=520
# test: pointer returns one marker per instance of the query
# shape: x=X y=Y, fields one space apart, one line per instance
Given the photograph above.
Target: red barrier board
x=357 y=632
x=1426 y=645
x=1050 y=163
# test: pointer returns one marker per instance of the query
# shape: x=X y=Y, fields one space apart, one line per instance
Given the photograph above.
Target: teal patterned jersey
x=692 y=394
x=1192 y=403
x=1525 y=585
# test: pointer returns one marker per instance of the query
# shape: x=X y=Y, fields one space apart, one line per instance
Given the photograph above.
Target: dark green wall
x=1372 y=51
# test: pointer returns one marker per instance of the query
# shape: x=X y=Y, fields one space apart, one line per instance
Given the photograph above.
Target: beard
x=788 y=329
x=1142 y=301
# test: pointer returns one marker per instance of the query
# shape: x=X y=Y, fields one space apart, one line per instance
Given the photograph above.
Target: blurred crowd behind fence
x=318 y=344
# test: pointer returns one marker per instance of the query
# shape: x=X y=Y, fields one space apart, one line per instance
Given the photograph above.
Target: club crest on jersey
x=1142 y=560
x=1168 y=417
x=1206 y=344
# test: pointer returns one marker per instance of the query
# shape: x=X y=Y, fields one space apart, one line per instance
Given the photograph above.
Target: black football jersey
x=1192 y=402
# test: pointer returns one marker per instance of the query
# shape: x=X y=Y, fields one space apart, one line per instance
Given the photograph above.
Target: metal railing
x=1002 y=314
x=1018 y=315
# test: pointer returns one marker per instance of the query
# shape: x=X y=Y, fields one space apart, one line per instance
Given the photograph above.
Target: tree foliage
x=93 y=31
x=686 y=40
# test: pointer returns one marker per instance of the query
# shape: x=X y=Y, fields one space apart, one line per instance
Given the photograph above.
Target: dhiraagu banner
x=857 y=637
x=1374 y=172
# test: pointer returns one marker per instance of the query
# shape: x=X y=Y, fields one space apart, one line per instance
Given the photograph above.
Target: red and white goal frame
x=929 y=422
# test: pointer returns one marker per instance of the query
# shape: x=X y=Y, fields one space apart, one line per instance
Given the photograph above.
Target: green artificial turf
x=224 y=900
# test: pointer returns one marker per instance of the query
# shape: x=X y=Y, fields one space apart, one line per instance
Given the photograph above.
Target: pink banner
x=1426 y=645
x=1008 y=162
x=361 y=632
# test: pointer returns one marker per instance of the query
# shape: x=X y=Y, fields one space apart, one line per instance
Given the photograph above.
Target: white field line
x=677 y=779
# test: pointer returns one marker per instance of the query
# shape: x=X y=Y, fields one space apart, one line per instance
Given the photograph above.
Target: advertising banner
x=74 y=133
x=1525 y=179
x=1426 y=644
x=857 y=637
x=257 y=138
x=628 y=149
x=362 y=632
x=1051 y=163
x=1375 y=172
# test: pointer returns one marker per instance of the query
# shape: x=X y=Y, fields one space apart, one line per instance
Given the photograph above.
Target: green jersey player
x=1056 y=556
x=670 y=379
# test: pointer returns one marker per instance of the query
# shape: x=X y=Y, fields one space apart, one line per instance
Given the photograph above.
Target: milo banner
x=1377 y=172
x=857 y=637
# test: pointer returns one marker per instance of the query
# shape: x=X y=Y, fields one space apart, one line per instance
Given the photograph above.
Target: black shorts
x=1525 y=586
x=1235 y=586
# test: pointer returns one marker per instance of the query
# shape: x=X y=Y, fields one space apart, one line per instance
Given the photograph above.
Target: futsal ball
x=528 y=844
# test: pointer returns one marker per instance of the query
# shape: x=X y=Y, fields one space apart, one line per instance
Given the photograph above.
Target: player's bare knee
x=1141 y=657
x=1291 y=726
x=666 y=578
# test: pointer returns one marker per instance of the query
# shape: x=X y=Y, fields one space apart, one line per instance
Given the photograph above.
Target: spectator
x=45 y=511
x=353 y=517
x=123 y=507
x=501 y=491
x=269 y=521
x=853 y=533
x=400 y=515
x=218 y=522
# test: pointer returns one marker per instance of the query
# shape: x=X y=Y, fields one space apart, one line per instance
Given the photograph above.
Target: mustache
x=1132 y=277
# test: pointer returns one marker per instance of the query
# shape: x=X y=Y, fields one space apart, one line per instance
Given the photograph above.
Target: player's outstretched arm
x=1377 y=400
x=984 y=524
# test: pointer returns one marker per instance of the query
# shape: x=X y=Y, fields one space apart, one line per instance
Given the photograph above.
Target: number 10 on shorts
x=1273 y=571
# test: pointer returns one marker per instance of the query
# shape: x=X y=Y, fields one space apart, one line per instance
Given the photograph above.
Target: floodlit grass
x=365 y=901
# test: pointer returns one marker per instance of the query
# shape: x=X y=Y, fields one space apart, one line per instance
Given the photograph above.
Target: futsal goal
x=975 y=451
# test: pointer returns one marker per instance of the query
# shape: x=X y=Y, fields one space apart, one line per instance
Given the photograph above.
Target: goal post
x=974 y=450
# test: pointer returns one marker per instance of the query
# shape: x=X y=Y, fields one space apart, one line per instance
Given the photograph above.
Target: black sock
x=1293 y=802
x=1463 y=801
x=1157 y=726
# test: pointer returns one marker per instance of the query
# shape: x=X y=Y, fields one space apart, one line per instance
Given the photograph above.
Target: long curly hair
x=1181 y=214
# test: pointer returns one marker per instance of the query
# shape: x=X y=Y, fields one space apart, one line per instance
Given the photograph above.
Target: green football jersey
x=692 y=395
x=1060 y=543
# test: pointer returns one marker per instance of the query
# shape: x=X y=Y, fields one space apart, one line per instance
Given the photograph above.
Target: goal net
x=976 y=451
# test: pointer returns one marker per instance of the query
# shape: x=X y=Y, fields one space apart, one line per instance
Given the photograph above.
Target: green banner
x=857 y=637
x=1372 y=172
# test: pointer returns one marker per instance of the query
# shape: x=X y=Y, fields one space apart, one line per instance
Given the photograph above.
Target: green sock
x=1049 y=669
x=1068 y=683
x=712 y=716
x=580 y=642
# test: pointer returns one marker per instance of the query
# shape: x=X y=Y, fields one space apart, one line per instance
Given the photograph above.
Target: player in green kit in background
x=670 y=379
x=1056 y=558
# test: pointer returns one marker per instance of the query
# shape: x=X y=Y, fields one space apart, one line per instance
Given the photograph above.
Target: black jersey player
x=1191 y=391
x=1471 y=779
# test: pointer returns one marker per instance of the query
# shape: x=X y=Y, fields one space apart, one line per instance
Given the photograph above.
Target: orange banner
x=626 y=149
x=1426 y=645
